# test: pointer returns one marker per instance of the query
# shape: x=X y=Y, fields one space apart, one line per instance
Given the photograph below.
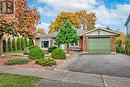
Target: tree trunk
x=1 y=46
x=67 y=48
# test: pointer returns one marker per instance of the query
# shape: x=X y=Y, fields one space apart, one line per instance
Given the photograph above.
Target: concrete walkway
x=60 y=78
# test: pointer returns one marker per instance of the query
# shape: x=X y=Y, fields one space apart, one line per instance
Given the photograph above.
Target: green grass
x=10 y=80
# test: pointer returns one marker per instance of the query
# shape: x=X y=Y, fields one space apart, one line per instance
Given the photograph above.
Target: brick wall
x=85 y=44
x=113 y=45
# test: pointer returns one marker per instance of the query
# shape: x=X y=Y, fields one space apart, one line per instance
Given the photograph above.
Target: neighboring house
x=98 y=40
x=127 y=24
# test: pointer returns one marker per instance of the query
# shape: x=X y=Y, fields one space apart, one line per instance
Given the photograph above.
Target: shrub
x=14 y=45
x=9 y=45
x=36 y=53
x=7 y=49
x=127 y=46
x=32 y=46
x=119 y=46
x=50 y=49
x=4 y=45
x=19 y=47
x=17 y=61
x=22 y=43
x=31 y=42
x=46 y=61
x=26 y=42
x=58 y=53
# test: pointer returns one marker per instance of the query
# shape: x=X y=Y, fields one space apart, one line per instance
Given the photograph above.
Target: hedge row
x=10 y=45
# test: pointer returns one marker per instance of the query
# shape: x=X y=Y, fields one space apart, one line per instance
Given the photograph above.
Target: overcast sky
x=112 y=13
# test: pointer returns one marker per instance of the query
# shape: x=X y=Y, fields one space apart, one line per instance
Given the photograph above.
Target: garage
x=99 y=45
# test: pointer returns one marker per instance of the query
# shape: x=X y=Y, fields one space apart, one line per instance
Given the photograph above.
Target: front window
x=44 y=44
x=75 y=44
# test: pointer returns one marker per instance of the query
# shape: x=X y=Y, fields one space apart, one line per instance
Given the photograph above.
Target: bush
x=32 y=46
x=22 y=43
x=119 y=46
x=31 y=42
x=58 y=53
x=14 y=44
x=17 y=61
x=9 y=45
x=46 y=61
x=19 y=47
x=36 y=53
x=4 y=45
x=26 y=42
x=50 y=49
x=127 y=46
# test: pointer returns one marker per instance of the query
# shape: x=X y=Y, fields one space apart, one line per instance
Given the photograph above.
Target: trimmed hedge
x=46 y=61
x=17 y=61
x=50 y=49
x=36 y=53
x=58 y=53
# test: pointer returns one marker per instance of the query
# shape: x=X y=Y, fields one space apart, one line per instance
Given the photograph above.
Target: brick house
x=99 y=40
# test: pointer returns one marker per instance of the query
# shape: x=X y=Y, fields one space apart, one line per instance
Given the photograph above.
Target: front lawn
x=10 y=80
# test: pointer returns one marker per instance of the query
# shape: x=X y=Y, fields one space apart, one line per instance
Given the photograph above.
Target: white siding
x=100 y=32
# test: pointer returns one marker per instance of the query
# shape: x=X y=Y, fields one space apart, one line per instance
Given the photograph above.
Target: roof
x=103 y=29
x=80 y=32
x=127 y=20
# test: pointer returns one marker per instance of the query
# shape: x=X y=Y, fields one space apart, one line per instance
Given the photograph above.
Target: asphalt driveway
x=113 y=65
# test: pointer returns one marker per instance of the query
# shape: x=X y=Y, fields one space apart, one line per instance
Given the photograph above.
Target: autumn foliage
x=77 y=18
x=25 y=18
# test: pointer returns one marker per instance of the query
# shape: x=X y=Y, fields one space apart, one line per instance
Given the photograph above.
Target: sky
x=112 y=13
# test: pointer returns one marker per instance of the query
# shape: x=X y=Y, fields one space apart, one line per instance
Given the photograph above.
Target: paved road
x=113 y=65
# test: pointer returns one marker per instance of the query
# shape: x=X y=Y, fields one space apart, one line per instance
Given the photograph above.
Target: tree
x=4 y=46
x=31 y=42
x=66 y=34
x=40 y=31
x=26 y=42
x=24 y=22
x=22 y=43
x=87 y=19
x=9 y=45
x=61 y=18
x=19 y=47
x=77 y=18
x=4 y=29
x=14 y=48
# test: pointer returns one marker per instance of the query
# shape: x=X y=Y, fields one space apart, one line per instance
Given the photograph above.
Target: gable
x=100 y=32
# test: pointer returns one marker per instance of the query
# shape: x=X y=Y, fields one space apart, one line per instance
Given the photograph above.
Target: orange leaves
x=122 y=37
x=77 y=18
x=25 y=19
x=62 y=17
x=87 y=18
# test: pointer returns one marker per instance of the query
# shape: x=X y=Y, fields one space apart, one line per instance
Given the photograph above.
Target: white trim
x=45 y=39
x=74 y=45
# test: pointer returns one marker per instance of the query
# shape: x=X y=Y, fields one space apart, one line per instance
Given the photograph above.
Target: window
x=75 y=44
x=44 y=44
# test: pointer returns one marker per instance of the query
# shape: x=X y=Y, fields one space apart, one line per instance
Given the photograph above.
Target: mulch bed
x=7 y=56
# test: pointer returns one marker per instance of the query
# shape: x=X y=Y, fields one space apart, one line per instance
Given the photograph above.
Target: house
x=127 y=24
x=99 y=40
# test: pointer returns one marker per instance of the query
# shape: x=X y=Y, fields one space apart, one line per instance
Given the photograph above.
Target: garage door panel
x=99 y=45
